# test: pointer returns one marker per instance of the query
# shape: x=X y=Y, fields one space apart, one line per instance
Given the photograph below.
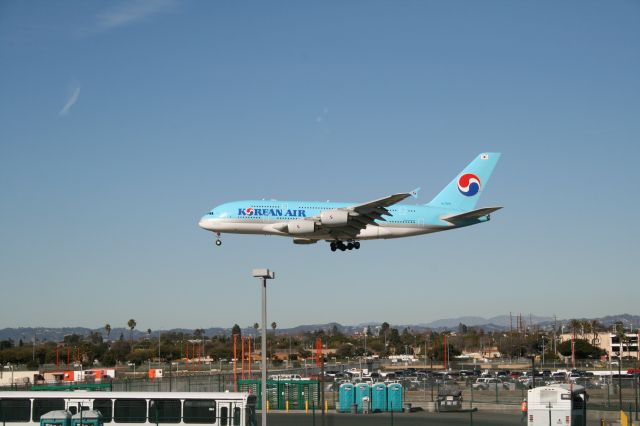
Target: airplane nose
x=202 y=224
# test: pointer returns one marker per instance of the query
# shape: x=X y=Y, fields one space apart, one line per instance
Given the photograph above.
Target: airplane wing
x=471 y=216
x=361 y=215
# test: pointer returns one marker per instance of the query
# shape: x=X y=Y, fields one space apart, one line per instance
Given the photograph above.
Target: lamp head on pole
x=264 y=273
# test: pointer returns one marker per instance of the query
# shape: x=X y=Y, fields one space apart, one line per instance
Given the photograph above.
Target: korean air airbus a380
x=344 y=224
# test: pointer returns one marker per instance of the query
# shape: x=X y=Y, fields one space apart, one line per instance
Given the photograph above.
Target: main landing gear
x=218 y=241
x=339 y=245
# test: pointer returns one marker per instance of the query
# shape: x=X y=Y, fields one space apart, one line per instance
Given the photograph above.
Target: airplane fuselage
x=263 y=216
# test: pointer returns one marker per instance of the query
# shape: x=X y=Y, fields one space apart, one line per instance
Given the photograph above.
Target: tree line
x=99 y=349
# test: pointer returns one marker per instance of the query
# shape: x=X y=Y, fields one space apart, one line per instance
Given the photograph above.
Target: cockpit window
x=218 y=213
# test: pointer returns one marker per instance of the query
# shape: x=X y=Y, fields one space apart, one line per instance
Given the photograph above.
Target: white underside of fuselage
x=265 y=227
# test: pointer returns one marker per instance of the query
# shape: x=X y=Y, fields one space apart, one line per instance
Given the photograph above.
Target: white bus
x=563 y=404
x=133 y=408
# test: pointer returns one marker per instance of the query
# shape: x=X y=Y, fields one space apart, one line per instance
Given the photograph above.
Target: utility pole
x=555 y=329
x=365 y=342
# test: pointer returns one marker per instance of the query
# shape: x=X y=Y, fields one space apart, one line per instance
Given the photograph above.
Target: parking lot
x=496 y=387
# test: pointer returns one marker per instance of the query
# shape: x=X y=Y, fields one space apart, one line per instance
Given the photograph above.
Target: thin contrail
x=70 y=102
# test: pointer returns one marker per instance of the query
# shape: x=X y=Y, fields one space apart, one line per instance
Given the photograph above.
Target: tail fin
x=463 y=192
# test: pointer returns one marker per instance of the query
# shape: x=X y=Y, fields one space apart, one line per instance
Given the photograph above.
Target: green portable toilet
x=378 y=397
x=394 y=397
x=56 y=418
x=363 y=397
x=87 y=418
x=346 y=397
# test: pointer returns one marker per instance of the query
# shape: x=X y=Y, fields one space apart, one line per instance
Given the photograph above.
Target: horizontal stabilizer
x=471 y=216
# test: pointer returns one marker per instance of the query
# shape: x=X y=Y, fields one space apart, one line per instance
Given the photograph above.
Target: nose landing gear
x=218 y=241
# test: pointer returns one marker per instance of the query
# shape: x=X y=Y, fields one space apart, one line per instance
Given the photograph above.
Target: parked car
x=559 y=376
x=484 y=383
x=503 y=373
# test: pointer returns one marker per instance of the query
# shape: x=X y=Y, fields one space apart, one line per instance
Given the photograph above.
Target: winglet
x=414 y=193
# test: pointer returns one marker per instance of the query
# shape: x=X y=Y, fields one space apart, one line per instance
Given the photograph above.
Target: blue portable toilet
x=346 y=397
x=378 y=397
x=363 y=396
x=394 y=397
x=56 y=418
x=87 y=418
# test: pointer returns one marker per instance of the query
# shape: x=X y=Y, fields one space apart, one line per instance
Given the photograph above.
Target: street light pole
x=265 y=275
x=620 y=378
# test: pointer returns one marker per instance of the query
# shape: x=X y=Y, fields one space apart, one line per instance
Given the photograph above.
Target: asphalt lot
x=402 y=419
x=335 y=419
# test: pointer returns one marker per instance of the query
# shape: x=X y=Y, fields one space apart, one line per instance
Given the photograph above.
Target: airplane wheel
x=333 y=247
x=218 y=242
x=342 y=247
x=356 y=245
x=350 y=246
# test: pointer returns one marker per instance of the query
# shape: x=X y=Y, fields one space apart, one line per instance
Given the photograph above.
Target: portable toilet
x=394 y=397
x=378 y=397
x=87 y=418
x=56 y=418
x=363 y=396
x=346 y=397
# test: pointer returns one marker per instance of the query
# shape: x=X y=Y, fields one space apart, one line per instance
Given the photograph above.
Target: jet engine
x=304 y=241
x=334 y=217
x=301 y=227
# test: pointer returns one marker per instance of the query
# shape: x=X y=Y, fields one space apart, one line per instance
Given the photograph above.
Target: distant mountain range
x=497 y=323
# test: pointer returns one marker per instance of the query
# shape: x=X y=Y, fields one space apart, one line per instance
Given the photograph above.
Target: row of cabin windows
x=284 y=218
x=310 y=208
x=124 y=410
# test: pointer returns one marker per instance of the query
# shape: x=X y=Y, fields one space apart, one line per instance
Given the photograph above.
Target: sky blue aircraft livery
x=344 y=224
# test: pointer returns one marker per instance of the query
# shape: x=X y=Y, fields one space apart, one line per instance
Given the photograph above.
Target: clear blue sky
x=122 y=123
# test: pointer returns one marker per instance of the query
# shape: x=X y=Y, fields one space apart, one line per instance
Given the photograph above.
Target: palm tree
x=236 y=330
x=131 y=324
x=107 y=328
x=574 y=326
x=622 y=339
x=273 y=326
x=256 y=326
x=595 y=327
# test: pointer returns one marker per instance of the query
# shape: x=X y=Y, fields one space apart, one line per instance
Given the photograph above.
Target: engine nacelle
x=301 y=227
x=304 y=241
x=334 y=217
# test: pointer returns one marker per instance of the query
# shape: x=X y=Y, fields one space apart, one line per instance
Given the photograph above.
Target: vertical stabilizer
x=463 y=192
